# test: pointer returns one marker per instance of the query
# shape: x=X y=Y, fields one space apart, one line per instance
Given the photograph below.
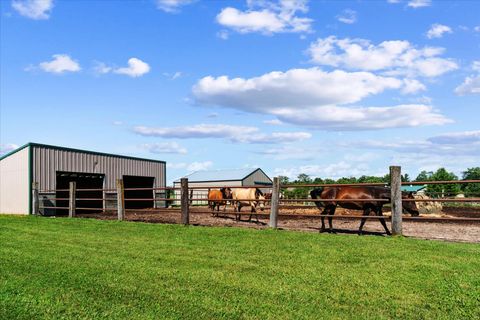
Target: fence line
x=276 y=203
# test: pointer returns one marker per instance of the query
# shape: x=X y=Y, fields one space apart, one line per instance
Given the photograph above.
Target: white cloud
x=136 y=68
x=267 y=17
x=413 y=86
x=476 y=65
x=172 y=6
x=273 y=122
x=34 y=9
x=392 y=57
x=365 y=118
x=117 y=123
x=477 y=29
x=296 y=88
x=61 y=63
x=193 y=166
x=471 y=85
x=223 y=34
x=454 y=143
x=393 y=1
x=419 y=3
x=101 y=68
x=310 y=97
x=7 y=147
x=238 y=134
x=437 y=31
x=347 y=16
x=458 y=138
x=164 y=147
x=289 y=153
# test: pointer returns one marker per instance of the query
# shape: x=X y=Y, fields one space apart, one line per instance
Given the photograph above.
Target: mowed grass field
x=90 y=269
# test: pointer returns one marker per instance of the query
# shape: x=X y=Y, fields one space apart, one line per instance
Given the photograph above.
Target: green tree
x=424 y=176
x=443 y=190
x=471 y=189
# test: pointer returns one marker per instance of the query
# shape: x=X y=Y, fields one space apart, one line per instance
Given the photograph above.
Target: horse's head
x=226 y=193
x=260 y=196
x=410 y=206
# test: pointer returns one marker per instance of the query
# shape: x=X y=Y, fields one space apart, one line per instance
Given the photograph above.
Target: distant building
x=53 y=167
x=223 y=178
x=420 y=189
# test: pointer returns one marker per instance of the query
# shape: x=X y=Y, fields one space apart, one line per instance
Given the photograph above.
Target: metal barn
x=204 y=180
x=53 y=167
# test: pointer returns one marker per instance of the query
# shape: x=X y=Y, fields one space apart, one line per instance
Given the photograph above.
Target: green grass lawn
x=85 y=268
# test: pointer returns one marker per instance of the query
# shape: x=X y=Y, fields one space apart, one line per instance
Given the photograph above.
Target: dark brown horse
x=345 y=193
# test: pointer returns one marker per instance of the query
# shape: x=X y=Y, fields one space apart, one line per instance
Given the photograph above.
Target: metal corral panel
x=258 y=177
x=48 y=160
x=14 y=183
x=203 y=193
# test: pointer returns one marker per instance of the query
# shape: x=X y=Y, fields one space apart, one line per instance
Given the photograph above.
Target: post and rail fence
x=276 y=202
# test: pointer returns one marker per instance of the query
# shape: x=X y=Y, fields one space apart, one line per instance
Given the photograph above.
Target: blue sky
x=327 y=88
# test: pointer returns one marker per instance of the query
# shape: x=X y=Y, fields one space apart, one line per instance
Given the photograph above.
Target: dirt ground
x=448 y=231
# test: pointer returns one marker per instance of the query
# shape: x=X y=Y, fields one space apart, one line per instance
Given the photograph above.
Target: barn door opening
x=83 y=181
x=136 y=195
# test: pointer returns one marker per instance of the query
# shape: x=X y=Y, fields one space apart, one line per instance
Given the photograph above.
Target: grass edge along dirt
x=85 y=268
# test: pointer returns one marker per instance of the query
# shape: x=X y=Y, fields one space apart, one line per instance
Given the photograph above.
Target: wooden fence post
x=71 y=199
x=275 y=202
x=396 y=199
x=185 y=201
x=35 y=199
x=120 y=200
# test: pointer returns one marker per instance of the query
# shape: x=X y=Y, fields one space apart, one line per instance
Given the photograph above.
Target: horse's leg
x=322 y=228
x=366 y=212
x=330 y=223
x=382 y=221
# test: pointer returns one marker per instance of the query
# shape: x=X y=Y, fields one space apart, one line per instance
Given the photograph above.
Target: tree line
x=435 y=191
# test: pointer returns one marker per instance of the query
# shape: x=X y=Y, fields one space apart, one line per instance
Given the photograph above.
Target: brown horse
x=217 y=198
x=345 y=193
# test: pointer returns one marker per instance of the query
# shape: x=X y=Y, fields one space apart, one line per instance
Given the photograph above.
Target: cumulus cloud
x=7 y=147
x=289 y=153
x=419 y=3
x=347 y=16
x=311 y=97
x=295 y=88
x=457 y=138
x=412 y=86
x=273 y=122
x=471 y=85
x=136 y=68
x=238 y=134
x=33 y=9
x=164 y=147
x=266 y=17
x=61 y=63
x=438 y=30
x=396 y=57
x=172 y=6
x=193 y=166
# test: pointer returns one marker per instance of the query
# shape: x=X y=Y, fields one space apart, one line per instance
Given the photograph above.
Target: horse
x=368 y=192
x=252 y=197
x=217 y=197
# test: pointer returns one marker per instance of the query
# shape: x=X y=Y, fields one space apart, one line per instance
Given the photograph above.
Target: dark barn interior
x=83 y=181
x=138 y=182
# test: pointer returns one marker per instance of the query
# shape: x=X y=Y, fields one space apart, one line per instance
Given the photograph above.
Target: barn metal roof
x=220 y=175
x=32 y=144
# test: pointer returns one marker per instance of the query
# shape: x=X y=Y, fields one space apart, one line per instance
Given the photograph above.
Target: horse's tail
x=317 y=194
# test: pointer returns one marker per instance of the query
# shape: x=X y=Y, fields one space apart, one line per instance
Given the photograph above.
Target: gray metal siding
x=256 y=176
x=47 y=161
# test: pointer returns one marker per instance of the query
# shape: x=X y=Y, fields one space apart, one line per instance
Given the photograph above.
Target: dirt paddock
x=448 y=231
